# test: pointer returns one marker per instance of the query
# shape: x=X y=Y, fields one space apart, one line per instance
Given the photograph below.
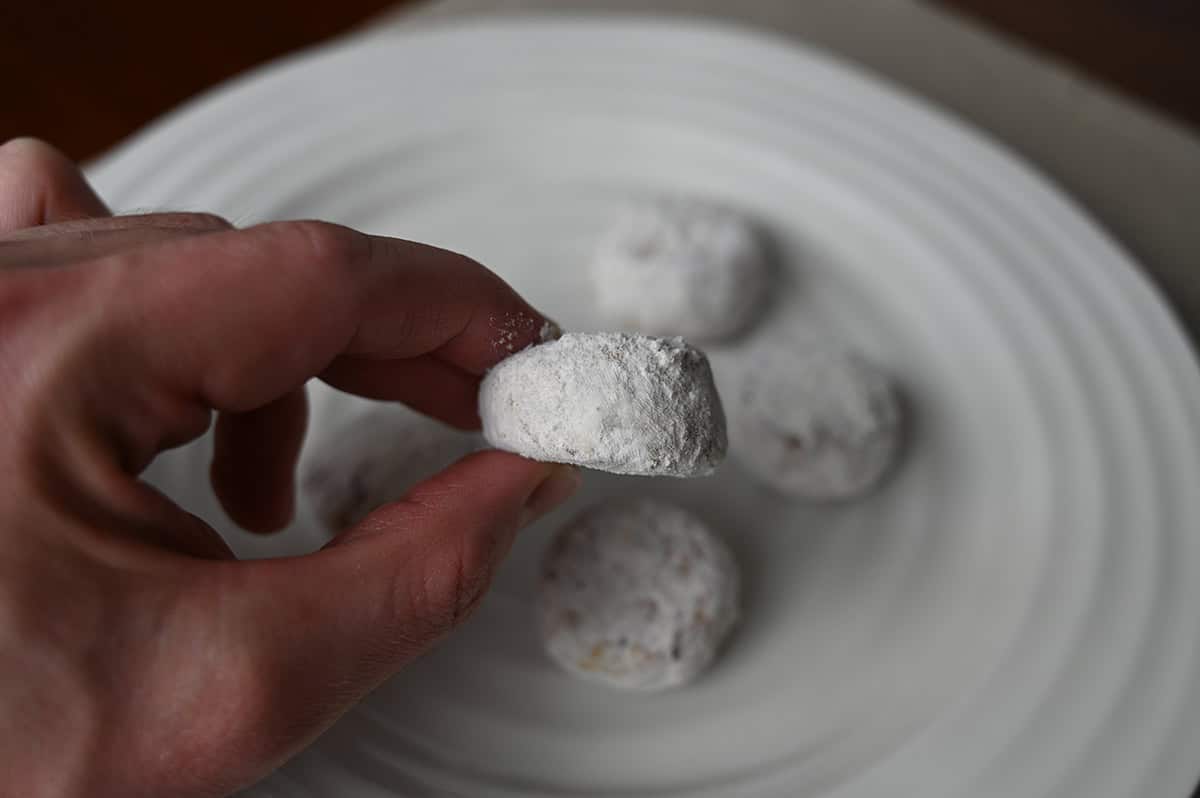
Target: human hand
x=137 y=657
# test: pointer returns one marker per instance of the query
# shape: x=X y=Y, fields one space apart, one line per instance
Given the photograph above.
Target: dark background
x=86 y=74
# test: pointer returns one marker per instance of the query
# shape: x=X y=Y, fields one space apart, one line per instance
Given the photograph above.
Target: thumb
x=447 y=535
x=320 y=631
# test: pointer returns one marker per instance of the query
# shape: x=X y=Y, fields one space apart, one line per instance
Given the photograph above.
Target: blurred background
x=85 y=75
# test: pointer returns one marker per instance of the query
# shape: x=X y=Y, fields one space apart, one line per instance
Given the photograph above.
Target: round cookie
x=681 y=267
x=374 y=458
x=815 y=421
x=637 y=595
x=623 y=403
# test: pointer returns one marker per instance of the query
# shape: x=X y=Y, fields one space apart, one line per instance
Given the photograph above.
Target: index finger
x=238 y=319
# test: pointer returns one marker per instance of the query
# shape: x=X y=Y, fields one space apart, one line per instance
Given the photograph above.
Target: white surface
x=1012 y=615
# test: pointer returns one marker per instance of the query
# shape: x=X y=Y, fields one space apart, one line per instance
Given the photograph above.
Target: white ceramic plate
x=1014 y=615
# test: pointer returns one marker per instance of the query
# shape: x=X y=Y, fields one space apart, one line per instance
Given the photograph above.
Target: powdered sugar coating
x=374 y=458
x=815 y=421
x=623 y=403
x=680 y=267
x=637 y=595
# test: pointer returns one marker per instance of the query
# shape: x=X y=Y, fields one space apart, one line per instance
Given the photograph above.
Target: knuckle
x=330 y=247
x=236 y=714
x=50 y=179
x=250 y=680
x=35 y=160
x=450 y=588
x=34 y=154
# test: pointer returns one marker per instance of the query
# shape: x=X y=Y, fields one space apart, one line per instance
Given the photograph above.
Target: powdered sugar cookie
x=815 y=421
x=637 y=595
x=681 y=267
x=611 y=401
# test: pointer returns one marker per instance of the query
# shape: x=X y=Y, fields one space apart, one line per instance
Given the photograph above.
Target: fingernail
x=555 y=489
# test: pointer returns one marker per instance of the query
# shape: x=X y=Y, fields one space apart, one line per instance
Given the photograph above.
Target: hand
x=137 y=656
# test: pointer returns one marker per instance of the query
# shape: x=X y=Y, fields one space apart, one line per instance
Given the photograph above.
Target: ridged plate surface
x=1014 y=615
